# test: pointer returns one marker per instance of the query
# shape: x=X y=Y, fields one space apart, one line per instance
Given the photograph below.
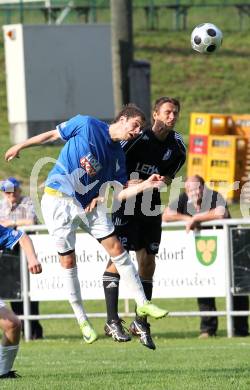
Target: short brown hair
x=130 y=111
x=165 y=99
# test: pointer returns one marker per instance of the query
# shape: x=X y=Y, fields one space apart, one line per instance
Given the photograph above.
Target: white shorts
x=63 y=215
x=2 y=304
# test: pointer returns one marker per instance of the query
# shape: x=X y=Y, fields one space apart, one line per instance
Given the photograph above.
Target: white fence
x=197 y=264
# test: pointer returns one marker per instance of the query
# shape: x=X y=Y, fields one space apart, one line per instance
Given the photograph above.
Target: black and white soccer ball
x=206 y=38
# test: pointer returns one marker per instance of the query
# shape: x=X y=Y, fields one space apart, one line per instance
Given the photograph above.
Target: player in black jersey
x=160 y=150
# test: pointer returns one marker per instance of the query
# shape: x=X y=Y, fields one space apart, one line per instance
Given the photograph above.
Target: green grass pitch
x=181 y=361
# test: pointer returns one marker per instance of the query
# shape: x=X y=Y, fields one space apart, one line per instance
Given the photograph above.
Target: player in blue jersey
x=91 y=157
x=9 y=322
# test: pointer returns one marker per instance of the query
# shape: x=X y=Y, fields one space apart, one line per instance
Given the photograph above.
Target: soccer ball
x=206 y=38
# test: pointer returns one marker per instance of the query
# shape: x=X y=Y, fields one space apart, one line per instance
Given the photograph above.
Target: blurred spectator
x=15 y=211
x=199 y=204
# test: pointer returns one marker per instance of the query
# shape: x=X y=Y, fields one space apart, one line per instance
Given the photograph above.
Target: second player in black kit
x=159 y=150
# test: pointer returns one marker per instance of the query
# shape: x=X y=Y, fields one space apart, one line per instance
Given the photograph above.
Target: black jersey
x=146 y=155
x=210 y=200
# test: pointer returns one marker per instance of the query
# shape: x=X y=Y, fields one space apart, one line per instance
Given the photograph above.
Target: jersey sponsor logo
x=14 y=233
x=146 y=168
x=90 y=164
x=167 y=155
x=118 y=222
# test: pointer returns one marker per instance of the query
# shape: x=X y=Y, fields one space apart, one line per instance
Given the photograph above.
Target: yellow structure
x=209 y=124
x=219 y=151
x=197 y=158
x=197 y=165
x=225 y=164
x=242 y=124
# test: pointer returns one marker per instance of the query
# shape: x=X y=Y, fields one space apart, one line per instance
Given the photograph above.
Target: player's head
x=194 y=187
x=165 y=99
x=166 y=110
x=11 y=189
x=130 y=111
x=128 y=123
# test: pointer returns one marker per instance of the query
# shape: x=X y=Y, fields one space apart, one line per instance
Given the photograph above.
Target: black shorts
x=136 y=232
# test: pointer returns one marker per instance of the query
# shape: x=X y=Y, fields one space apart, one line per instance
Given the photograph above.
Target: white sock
x=72 y=287
x=7 y=357
x=130 y=276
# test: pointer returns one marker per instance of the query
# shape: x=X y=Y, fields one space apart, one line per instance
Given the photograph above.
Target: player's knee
x=113 y=246
x=67 y=259
x=123 y=259
x=14 y=326
x=117 y=248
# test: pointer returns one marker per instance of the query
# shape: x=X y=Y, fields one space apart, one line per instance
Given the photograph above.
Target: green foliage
x=204 y=83
x=216 y=83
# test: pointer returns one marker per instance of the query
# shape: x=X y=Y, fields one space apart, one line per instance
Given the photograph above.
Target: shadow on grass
x=175 y=335
x=213 y=371
x=187 y=335
x=161 y=336
x=75 y=337
x=180 y=334
x=116 y=373
x=102 y=336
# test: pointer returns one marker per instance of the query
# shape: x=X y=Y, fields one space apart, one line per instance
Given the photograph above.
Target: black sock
x=148 y=288
x=111 y=291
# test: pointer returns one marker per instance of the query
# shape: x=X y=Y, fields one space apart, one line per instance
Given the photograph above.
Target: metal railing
x=156 y=13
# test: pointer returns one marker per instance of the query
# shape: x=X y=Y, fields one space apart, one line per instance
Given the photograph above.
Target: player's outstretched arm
x=154 y=181
x=48 y=136
x=27 y=245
